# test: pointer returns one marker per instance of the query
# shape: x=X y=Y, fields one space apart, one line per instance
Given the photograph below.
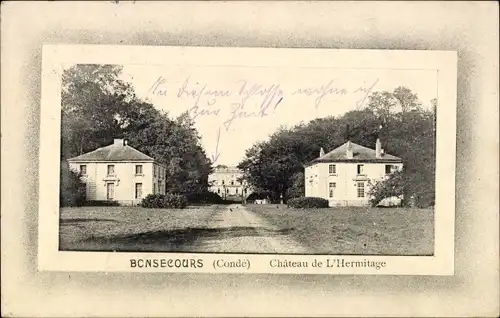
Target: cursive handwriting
x=157 y=88
x=367 y=91
x=201 y=108
x=321 y=92
x=237 y=112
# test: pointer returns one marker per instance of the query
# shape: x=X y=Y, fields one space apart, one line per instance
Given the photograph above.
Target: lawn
x=131 y=228
x=355 y=230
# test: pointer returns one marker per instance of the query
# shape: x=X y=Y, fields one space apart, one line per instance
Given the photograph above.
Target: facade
x=119 y=173
x=228 y=183
x=342 y=176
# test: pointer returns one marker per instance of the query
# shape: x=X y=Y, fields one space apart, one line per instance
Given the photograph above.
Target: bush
x=258 y=195
x=307 y=202
x=204 y=198
x=175 y=201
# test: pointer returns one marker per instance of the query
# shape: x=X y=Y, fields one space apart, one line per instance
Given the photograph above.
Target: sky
x=236 y=106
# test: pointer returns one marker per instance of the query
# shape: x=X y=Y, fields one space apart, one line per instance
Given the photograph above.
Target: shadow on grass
x=82 y=220
x=177 y=240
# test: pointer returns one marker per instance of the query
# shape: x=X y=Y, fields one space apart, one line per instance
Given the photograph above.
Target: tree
x=274 y=165
x=297 y=189
x=407 y=100
x=72 y=189
x=383 y=104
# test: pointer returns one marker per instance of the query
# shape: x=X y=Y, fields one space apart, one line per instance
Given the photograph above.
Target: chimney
x=349 y=152
x=378 y=149
x=118 y=142
x=321 y=152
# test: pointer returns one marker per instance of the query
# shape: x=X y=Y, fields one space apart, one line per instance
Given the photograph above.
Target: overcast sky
x=234 y=107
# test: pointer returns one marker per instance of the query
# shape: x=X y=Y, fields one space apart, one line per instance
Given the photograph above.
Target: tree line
x=275 y=167
x=97 y=106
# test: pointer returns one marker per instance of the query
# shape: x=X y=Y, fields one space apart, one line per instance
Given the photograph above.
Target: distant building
x=341 y=176
x=120 y=173
x=228 y=183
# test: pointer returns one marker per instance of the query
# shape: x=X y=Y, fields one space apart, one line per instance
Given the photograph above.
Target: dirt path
x=240 y=230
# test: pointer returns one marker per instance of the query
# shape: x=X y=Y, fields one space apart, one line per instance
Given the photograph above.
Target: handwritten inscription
x=321 y=91
x=158 y=88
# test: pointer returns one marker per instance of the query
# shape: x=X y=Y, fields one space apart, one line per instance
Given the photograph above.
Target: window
x=154 y=187
x=138 y=190
x=332 y=169
x=245 y=191
x=138 y=169
x=154 y=171
x=361 y=189
x=331 y=189
x=236 y=190
x=227 y=190
x=388 y=169
x=83 y=169
x=111 y=170
x=360 y=169
x=218 y=190
x=222 y=181
x=232 y=182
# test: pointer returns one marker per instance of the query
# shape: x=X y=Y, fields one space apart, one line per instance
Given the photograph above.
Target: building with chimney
x=228 y=183
x=119 y=172
x=342 y=175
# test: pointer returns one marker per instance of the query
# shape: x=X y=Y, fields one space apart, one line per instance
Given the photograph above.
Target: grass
x=130 y=228
x=356 y=230
x=343 y=231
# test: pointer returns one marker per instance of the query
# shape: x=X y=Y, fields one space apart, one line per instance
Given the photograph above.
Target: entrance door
x=110 y=191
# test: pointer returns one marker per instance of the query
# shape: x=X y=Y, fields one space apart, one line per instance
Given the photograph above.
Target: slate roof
x=114 y=152
x=360 y=154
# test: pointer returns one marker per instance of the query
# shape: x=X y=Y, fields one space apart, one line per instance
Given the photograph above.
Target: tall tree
x=275 y=164
x=98 y=106
x=407 y=99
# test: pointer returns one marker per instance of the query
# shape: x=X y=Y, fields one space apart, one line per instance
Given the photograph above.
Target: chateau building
x=228 y=183
x=119 y=172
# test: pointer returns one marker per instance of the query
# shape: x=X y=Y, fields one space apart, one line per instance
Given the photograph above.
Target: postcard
x=247 y=160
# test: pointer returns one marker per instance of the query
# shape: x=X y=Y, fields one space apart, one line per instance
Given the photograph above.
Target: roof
x=360 y=154
x=114 y=152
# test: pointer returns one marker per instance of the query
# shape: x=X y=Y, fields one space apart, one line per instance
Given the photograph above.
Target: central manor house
x=228 y=183
x=119 y=173
x=342 y=175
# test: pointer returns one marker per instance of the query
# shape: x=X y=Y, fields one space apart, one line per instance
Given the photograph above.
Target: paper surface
x=229 y=92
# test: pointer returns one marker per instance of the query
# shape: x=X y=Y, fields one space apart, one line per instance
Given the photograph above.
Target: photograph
x=187 y=158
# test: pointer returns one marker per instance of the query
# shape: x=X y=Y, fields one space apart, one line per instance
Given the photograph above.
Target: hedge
x=204 y=198
x=307 y=202
x=100 y=203
x=175 y=201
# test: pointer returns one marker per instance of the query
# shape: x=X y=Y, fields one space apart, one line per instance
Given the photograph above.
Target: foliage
x=393 y=186
x=297 y=188
x=404 y=127
x=206 y=197
x=307 y=203
x=97 y=106
x=258 y=195
x=168 y=200
x=71 y=189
